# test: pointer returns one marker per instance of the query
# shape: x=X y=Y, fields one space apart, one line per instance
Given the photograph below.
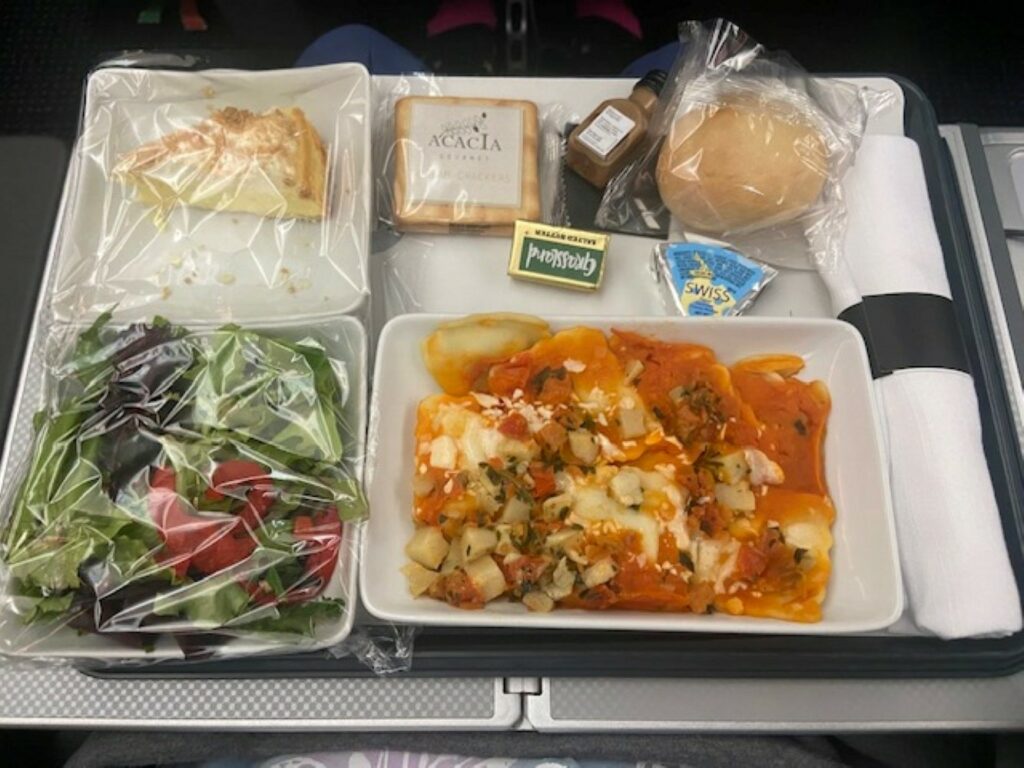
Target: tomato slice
x=750 y=562
x=257 y=503
x=505 y=378
x=322 y=534
x=235 y=472
x=515 y=426
x=543 y=480
x=226 y=550
x=189 y=540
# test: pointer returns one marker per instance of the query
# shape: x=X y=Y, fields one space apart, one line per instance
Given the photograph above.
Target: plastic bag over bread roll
x=734 y=166
x=744 y=146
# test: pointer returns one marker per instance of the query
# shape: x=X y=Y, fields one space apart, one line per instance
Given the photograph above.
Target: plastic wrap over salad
x=185 y=489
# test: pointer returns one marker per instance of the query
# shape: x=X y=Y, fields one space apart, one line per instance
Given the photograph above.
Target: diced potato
x=457 y=509
x=487 y=577
x=626 y=488
x=538 y=601
x=557 y=507
x=444 y=452
x=419 y=579
x=731 y=467
x=563 y=482
x=516 y=511
x=577 y=557
x=737 y=497
x=762 y=469
x=583 y=445
x=422 y=485
x=552 y=435
x=631 y=423
x=477 y=542
x=505 y=545
x=706 y=554
x=600 y=572
x=453 y=559
x=427 y=547
x=563 y=539
x=562 y=581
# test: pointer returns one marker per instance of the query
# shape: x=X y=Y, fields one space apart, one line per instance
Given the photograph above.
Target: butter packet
x=705 y=280
x=571 y=258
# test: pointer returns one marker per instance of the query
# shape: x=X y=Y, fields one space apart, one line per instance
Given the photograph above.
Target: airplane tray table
x=55 y=696
x=542 y=654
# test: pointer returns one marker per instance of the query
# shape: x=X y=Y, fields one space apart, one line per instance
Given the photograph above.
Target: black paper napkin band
x=908 y=330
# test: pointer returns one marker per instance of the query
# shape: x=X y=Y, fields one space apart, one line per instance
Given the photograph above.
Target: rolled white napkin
x=955 y=565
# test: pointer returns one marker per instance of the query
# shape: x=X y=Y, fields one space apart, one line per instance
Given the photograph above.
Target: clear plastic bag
x=744 y=146
x=187 y=493
x=460 y=163
x=218 y=195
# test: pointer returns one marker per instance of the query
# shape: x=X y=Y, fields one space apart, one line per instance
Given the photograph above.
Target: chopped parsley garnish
x=546 y=373
x=493 y=474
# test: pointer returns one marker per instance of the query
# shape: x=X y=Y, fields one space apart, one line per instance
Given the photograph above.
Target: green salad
x=185 y=483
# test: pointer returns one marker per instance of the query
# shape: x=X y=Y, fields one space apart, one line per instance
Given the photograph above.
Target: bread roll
x=733 y=167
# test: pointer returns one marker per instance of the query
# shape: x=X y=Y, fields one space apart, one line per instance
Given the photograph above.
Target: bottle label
x=606 y=131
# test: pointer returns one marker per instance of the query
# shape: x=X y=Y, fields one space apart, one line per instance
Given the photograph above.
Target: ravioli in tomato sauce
x=620 y=471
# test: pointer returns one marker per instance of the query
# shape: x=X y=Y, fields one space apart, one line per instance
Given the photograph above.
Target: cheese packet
x=709 y=280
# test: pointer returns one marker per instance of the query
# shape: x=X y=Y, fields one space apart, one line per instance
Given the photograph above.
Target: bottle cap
x=654 y=80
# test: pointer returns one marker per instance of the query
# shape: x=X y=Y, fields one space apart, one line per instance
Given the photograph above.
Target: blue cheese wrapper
x=705 y=280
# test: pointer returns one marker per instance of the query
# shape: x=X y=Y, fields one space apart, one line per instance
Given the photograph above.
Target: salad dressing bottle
x=601 y=145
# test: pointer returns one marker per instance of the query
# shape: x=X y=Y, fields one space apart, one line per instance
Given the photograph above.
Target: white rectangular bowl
x=344 y=338
x=865 y=591
x=204 y=265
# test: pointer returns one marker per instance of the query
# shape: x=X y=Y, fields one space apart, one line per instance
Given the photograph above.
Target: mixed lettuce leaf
x=185 y=482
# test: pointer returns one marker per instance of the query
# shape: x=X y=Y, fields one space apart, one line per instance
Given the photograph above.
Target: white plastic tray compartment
x=205 y=265
x=865 y=590
x=344 y=338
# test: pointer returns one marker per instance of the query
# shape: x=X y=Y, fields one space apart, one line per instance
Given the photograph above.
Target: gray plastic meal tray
x=539 y=653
